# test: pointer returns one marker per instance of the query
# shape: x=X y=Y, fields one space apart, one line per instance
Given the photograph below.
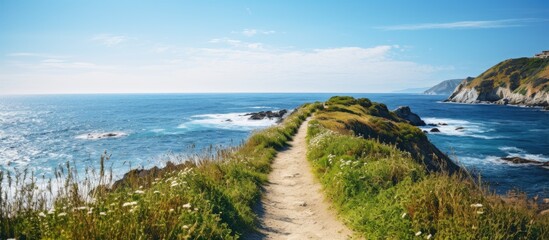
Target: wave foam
x=228 y=121
x=517 y=152
x=469 y=129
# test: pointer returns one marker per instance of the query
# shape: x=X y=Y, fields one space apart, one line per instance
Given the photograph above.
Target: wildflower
x=51 y=211
x=62 y=214
x=429 y=236
x=174 y=184
x=171 y=210
x=103 y=213
x=403 y=215
x=418 y=233
x=41 y=214
x=156 y=191
x=188 y=205
x=196 y=209
x=480 y=212
x=474 y=227
x=476 y=205
x=82 y=208
x=126 y=204
x=139 y=192
x=185 y=227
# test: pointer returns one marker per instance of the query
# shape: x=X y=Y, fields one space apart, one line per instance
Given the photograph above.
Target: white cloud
x=252 y=32
x=109 y=40
x=464 y=24
x=229 y=69
x=237 y=43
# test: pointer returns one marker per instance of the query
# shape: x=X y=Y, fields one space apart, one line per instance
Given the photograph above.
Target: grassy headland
x=387 y=181
x=208 y=199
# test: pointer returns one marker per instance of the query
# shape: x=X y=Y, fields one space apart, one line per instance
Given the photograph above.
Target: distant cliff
x=446 y=87
x=521 y=81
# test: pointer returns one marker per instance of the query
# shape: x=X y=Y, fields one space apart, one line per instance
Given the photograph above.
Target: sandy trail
x=293 y=206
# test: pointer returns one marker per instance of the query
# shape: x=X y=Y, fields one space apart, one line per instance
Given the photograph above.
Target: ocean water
x=41 y=132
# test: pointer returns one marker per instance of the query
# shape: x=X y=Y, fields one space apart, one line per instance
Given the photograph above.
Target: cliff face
x=522 y=81
x=443 y=88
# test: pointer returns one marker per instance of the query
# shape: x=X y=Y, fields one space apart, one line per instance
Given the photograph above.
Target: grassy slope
x=383 y=192
x=209 y=200
x=521 y=75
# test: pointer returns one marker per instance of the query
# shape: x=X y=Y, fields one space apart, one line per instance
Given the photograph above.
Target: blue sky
x=258 y=46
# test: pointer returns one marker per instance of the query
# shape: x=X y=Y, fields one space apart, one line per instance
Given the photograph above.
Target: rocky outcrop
x=405 y=113
x=266 y=114
x=446 y=87
x=523 y=81
x=519 y=160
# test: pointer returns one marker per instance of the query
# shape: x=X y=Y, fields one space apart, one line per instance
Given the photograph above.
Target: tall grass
x=209 y=198
x=383 y=192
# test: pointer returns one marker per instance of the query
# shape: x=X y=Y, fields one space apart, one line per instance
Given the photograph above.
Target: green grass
x=382 y=192
x=209 y=199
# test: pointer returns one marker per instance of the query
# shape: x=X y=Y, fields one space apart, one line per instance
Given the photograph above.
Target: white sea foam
x=469 y=129
x=517 y=152
x=228 y=121
x=157 y=130
x=103 y=135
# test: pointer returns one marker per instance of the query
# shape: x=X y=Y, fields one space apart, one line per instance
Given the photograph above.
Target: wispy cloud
x=237 y=43
x=250 y=32
x=503 y=23
x=109 y=40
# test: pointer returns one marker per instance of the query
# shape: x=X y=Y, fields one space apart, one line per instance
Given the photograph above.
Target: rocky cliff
x=446 y=87
x=521 y=81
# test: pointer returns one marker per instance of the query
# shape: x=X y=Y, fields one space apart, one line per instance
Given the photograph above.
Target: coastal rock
x=95 y=136
x=522 y=81
x=519 y=160
x=460 y=128
x=405 y=113
x=434 y=130
x=266 y=114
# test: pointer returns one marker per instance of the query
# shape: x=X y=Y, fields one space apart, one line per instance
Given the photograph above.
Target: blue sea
x=43 y=131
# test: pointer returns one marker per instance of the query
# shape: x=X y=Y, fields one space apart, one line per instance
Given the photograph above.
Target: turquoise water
x=41 y=132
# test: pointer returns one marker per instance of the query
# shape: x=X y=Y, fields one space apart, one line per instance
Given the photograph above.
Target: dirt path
x=293 y=206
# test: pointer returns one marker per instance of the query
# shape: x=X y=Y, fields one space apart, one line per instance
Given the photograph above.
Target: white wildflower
x=476 y=205
x=103 y=213
x=429 y=236
x=82 y=208
x=62 y=214
x=185 y=227
x=480 y=212
x=188 y=205
x=126 y=204
x=51 y=211
x=139 y=192
x=404 y=215
x=41 y=214
x=418 y=233
x=172 y=210
x=156 y=191
x=196 y=209
x=174 y=184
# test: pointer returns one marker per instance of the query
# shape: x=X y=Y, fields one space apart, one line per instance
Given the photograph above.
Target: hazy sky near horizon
x=258 y=46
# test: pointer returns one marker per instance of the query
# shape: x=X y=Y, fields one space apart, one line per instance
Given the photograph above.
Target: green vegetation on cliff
x=209 y=199
x=519 y=75
x=523 y=81
x=377 y=176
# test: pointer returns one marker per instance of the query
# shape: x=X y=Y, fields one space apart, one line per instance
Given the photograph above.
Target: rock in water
x=405 y=113
x=435 y=130
x=267 y=114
